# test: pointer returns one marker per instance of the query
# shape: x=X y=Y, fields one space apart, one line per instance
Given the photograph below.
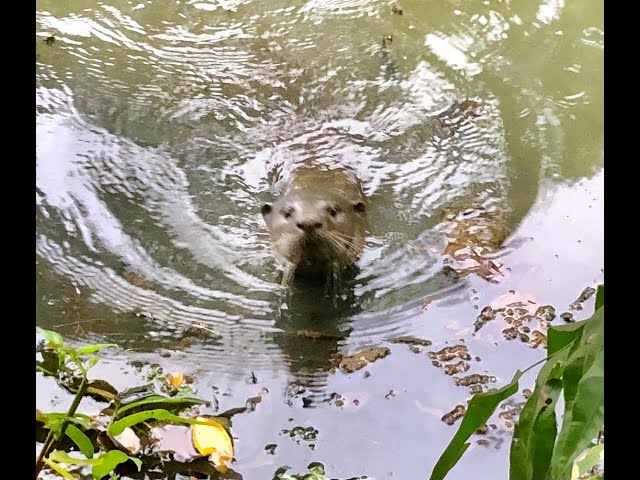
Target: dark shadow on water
x=314 y=321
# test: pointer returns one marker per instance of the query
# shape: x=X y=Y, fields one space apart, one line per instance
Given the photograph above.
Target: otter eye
x=287 y=212
x=359 y=207
x=333 y=210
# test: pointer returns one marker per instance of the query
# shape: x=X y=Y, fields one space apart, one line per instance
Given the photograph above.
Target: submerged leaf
x=214 y=441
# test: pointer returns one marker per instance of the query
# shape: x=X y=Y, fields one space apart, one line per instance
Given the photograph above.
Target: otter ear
x=266 y=209
x=359 y=207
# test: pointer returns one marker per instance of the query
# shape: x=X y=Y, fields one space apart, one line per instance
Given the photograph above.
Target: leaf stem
x=50 y=440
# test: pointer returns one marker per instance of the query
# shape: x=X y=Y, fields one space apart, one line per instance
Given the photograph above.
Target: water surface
x=163 y=126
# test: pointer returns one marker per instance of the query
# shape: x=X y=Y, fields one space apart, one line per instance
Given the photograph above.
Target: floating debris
x=449 y=353
x=584 y=296
x=451 y=417
x=357 y=361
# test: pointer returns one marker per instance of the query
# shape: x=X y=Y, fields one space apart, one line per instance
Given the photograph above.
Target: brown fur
x=317 y=227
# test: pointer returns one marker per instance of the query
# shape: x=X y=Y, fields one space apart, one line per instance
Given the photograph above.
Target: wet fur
x=318 y=225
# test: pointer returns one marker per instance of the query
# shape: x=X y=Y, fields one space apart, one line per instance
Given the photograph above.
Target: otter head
x=319 y=224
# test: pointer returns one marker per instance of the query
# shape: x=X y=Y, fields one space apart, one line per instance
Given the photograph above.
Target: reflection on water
x=163 y=126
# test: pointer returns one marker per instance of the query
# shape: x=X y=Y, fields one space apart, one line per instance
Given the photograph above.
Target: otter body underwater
x=317 y=226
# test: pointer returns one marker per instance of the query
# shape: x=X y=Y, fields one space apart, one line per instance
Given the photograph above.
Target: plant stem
x=50 y=440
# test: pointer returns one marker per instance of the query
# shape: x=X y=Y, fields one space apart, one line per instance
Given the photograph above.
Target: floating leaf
x=481 y=406
x=214 y=441
x=80 y=439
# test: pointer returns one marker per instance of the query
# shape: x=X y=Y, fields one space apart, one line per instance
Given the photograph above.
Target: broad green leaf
x=109 y=461
x=592 y=457
x=587 y=417
x=118 y=426
x=523 y=443
x=160 y=400
x=94 y=348
x=599 y=297
x=58 y=469
x=54 y=339
x=481 y=406
x=81 y=440
x=53 y=421
x=560 y=336
x=545 y=427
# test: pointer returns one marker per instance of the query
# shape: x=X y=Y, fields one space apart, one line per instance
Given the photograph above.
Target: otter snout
x=309 y=226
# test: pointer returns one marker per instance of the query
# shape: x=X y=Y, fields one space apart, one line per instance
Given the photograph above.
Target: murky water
x=163 y=126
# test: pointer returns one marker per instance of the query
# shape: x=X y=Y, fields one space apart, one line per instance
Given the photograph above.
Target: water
x=162 y=127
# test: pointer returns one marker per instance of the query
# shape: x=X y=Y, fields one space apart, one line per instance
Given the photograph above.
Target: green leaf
x=92 y=362
x=174 y=403
x=545 y=427
x=81 y=440
x=94 y=348
x=102 y=466
x=560 y=336
x=40 y=368
x=593 y=456
x=54 y=339
x=584 y=397
x=53 y=421
x=118 y=426
x=599 y=296
x=480 y=408
x=523 y=444
x=109 y=461
x=63 y=457
x=58 y=469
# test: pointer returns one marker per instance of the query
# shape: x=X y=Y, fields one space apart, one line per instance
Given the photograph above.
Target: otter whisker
x=345 y=241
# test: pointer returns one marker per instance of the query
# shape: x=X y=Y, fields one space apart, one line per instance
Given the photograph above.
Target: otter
x=317 y=226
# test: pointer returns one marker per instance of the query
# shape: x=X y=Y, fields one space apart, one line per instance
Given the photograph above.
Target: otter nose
x=309 y=226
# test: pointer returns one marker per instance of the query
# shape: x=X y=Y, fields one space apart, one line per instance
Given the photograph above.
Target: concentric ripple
x=162 y=126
